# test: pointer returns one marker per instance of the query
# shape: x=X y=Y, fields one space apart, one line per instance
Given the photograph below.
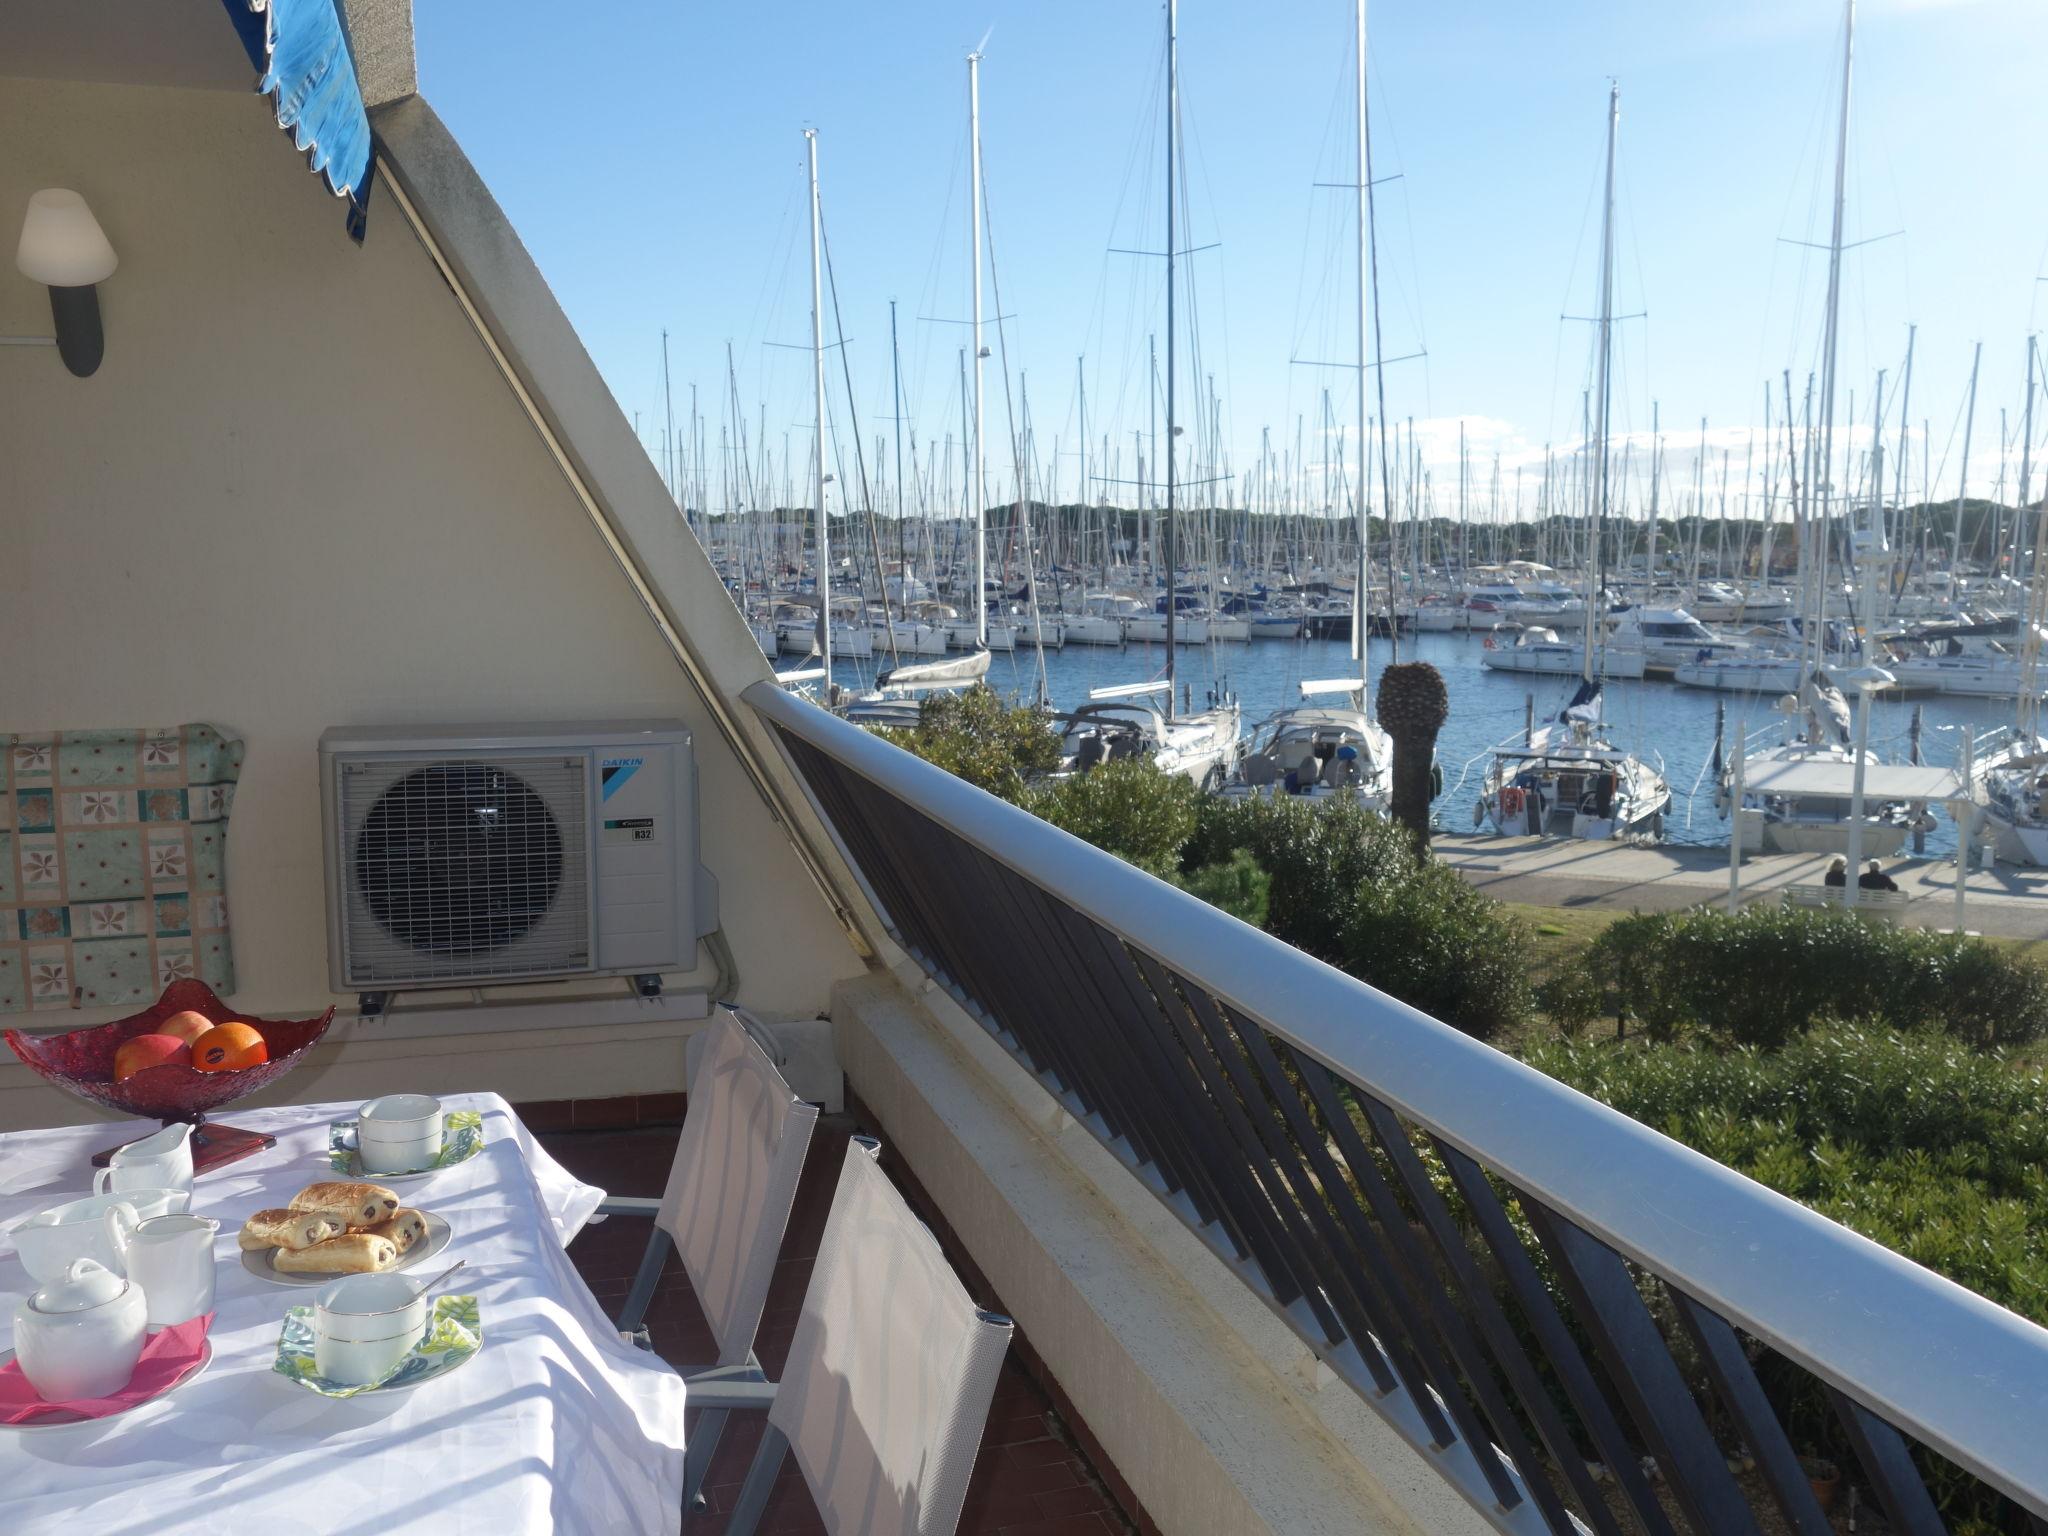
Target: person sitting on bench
x=1838 y=872
x=1874 y=878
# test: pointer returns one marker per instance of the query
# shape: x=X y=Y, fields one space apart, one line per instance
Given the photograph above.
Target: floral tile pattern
x=113 y=864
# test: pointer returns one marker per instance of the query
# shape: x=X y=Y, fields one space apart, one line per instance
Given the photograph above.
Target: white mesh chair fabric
x=891 y=1371
x=733 y=1181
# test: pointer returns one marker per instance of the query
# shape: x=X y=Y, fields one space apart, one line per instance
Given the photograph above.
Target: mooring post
x=1735 y=820
x=1528 y=719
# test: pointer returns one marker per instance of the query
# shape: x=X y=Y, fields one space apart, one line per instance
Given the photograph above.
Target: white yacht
x=1536 y=648
x=1567 y=780
x=1667 y=638
x=1319 y=752
x=1721 y=602
x=1119 y=723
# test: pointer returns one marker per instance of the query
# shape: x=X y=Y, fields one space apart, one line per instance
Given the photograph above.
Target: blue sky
x=652 y=160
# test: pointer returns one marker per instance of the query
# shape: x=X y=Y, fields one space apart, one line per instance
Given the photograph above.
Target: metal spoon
x=429 y=1285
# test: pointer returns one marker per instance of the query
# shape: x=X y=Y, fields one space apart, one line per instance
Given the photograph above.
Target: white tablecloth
x=555 y=1426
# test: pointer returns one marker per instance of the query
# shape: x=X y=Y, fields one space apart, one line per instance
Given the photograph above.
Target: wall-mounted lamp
x=63 y=246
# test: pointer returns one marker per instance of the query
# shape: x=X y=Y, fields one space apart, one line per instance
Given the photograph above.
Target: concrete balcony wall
x=1217 y=1417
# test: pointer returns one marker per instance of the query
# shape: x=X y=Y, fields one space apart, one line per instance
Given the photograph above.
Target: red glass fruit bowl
x=81 y=1061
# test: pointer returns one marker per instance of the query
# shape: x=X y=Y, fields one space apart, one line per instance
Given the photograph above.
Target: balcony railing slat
x=1231 y=1160
x=1206 y=1053
x=1743 y=1396
x=1525 y=1285
x=1362 y=1289
x=1476 y=1295
x=1889 y=1465
x=1639 y=1362
x=1277 y=1207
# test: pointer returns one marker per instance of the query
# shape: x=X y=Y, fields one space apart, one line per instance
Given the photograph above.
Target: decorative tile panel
x=113 y=864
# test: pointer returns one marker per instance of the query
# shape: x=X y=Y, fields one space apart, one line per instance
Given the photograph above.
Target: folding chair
x=725 y=1209
x=889 y=1379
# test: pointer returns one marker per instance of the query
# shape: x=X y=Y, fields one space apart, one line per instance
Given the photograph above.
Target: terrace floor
x=1032 y=1477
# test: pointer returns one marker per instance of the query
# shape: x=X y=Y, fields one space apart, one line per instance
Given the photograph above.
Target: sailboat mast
x=1361 y=610
x=818 y=446
x=1955 y=541
x=1824 y=481
x=668 y=408
x=1603 y=381
x=896 y=391
x=979 y=486
x=1172 y=113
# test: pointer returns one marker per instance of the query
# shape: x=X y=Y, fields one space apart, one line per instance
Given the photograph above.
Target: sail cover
x=1585 y=704
x=954 y=672
x=303 y=64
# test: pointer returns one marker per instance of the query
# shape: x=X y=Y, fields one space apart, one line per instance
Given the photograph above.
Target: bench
x=1887 y=905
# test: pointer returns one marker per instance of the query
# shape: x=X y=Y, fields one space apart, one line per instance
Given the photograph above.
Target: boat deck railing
x=1572 y=1317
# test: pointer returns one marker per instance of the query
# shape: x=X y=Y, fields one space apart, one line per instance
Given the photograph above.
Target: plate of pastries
x=338 y=1227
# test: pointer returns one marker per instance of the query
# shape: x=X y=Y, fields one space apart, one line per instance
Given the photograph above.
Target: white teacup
x=399 y=1133
x=363 y=1325
x=49 y=1240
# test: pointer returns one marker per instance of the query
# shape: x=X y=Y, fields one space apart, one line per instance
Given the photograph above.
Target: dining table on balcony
x=556 y=1424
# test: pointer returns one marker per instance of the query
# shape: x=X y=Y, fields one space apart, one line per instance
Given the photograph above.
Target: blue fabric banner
x=300 y=51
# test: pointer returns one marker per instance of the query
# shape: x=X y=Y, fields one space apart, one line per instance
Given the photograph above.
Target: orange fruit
x=187 y=1026
x=229 y=1048
x=150 y=1051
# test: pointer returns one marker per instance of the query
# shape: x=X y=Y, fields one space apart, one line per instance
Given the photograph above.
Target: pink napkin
x=167 y=1359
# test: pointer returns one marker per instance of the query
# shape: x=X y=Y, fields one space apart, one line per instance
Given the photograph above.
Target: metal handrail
x=1959 y=1373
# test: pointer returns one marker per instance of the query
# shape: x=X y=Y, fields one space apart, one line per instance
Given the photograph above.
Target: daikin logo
x=614 y=771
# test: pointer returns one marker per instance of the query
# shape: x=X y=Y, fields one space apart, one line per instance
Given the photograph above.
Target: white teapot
x=80 y=1335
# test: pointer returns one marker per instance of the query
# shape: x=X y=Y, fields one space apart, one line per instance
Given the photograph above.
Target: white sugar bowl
x=81 y=1334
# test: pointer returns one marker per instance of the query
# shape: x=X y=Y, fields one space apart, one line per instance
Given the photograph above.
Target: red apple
x=187 y=1026
x=150 y=1051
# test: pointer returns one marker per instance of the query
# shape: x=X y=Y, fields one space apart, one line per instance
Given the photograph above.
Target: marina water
x=1654 y=718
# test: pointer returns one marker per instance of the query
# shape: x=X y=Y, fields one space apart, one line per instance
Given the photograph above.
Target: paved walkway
x=1560 y=872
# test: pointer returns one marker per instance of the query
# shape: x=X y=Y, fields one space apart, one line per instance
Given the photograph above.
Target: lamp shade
x=62 y=244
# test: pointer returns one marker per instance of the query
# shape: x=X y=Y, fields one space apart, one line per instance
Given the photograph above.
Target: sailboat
x=2012 y=788
x=1335 y=751
x=1122 y=721
x=1807 y=781
x=1568 y=779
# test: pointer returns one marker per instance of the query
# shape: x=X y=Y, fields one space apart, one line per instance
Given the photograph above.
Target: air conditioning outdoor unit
x=459 y=857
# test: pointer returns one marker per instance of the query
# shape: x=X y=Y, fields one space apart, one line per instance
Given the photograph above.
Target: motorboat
x=1534 y=648
x=1667 y=638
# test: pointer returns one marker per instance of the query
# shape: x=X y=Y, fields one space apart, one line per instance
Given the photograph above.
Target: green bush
x=1237 y=886
x=1437 y=944
x=1127 y=808
x=974 y=735
x=1316 y=856
x=1573 y=998
x=1933 y=1149
x=1766 y=974
x=1936 y=1150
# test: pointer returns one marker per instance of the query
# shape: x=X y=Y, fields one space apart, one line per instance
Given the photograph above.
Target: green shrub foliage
x=1127 y=808
x=1438 y=945
x=1352 y=888
x=1767 y=974
x=976 y=736
x=1317 y=856
x=1913 y=1139
x=1237 y=886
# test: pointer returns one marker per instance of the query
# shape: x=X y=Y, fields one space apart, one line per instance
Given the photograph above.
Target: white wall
x=298 y=494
